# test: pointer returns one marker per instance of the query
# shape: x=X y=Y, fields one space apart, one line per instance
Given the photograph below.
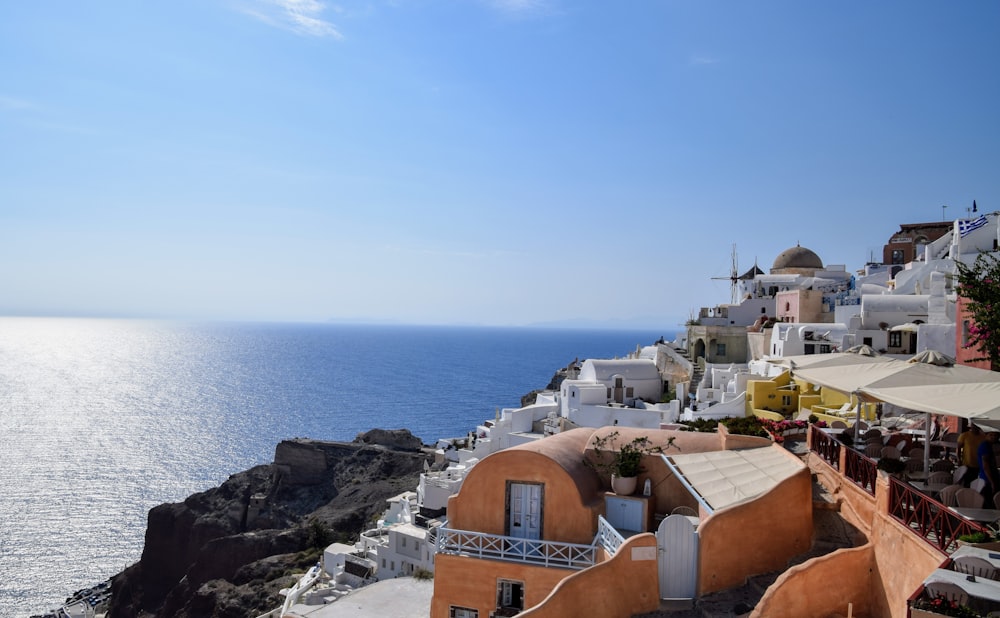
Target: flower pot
x=623 y=485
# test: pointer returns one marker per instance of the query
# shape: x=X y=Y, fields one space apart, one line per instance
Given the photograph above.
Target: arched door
x=677 y=549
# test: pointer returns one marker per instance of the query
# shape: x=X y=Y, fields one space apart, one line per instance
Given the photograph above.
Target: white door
x=525 y=511
x=677 y=546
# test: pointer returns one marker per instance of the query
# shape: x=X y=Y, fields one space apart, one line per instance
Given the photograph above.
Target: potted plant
x=988 y=539
x=893 y=467
x=940 y=606
x=623 y=462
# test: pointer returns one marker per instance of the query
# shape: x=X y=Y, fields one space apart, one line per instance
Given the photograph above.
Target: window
x=810 y=348
x=402 y=541
x=895 y=339
x=462 y=612
x=510 y=597
x=824 y=348
x=786 y=400
x=867 y=341
x=720 y=349
x=897 y=256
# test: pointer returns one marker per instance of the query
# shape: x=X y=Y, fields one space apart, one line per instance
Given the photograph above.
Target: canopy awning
x=957 y=390
x=834 y=359
x=724 y=478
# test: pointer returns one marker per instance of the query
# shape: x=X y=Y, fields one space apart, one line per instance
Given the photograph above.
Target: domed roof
x=796 y=257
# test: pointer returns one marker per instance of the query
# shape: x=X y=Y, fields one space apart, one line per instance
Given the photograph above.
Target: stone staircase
x=698 y=373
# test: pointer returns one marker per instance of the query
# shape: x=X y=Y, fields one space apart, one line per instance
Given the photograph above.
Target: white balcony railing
x=531 y=551
x=609 y=538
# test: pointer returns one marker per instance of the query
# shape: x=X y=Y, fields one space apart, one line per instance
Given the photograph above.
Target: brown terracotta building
x=905 y=245
x=535 y=531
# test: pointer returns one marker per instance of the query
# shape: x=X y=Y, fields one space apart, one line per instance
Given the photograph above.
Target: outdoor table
x=945 y=445
x=981 y=588
x=931 y=489
x=917 y=475
x=991 y=556
x=984 y=515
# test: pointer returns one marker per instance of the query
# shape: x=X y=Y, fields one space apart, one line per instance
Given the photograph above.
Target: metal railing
x=932 y=520
x=860 y=469
x=826 y=446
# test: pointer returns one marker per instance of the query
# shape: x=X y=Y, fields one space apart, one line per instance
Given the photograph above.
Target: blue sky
x=473 y=162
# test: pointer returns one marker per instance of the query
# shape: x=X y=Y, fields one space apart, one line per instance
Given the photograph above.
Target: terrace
x=530 y=551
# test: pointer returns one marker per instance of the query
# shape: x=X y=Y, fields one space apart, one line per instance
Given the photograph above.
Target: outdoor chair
x=947 y=495
x=978 y=485
x=996 y=500
x=873 y=433
x=862 y=425
x=942 y=464
x=948 y=590
x=968 y=498
x=974 y=565
x=874 y=451
x=684 y=510
x=917 y=452
x=959 y=474
x=939 y=478
x=838 y=425
x=915 y=465
x=890 y=452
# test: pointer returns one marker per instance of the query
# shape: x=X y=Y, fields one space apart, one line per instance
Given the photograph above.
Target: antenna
x=734 y=278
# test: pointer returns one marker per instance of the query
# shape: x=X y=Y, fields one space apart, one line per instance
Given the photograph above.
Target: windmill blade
x=734 y=278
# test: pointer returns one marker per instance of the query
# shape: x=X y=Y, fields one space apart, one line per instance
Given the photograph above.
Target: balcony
x=541 y=553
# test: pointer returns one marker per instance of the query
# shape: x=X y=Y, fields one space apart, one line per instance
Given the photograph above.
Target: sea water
x=101 y=420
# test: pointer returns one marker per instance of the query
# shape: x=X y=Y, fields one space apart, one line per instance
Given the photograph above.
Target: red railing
x=936 y=523
x=860 y=469
x=826 y=446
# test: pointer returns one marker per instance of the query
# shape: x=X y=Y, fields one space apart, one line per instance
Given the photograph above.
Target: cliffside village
x=519 y=518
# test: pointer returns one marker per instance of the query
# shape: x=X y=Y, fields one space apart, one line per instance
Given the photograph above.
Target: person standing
x=988 y=466
x=968 y=452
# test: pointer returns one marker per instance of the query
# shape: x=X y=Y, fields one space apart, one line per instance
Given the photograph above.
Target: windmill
x=734 y=279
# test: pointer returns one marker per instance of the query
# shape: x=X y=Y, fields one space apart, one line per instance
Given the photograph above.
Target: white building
x=791 y=339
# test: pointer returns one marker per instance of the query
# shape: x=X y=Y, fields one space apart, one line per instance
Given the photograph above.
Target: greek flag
x=965 y=226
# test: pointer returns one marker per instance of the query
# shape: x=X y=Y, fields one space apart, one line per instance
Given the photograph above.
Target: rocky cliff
x=227 y=551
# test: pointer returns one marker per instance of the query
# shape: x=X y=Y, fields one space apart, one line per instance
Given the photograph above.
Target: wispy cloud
x=303 y=17
x=520 y=7
x=37 y=116
x=451 y=254
x=13 y=103
x=703 y=60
